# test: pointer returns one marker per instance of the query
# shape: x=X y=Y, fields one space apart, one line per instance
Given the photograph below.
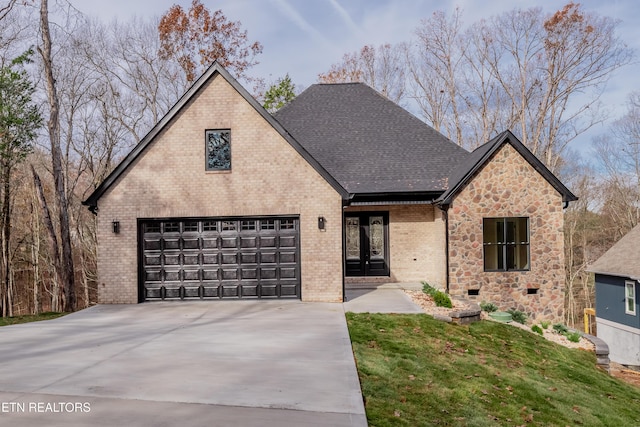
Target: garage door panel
x=248 y=274
x=229 y=242
x=267 y=241
x=192 y=290
x=210 y=291
x=208 y=275
x=152 y=244
x=229 y=274
x=287 y=241
x=172 y=258
x=287 y=257
x=248 y=257
x=287 y=273
x=190 y=275
x=170 y=243
x=153 y=259
x=191 y=243
x=230 y=290
x=268 y=273
x=210 y=258
x=210 y=242
x=248 y=242
x=220 y=258
x=267 y=258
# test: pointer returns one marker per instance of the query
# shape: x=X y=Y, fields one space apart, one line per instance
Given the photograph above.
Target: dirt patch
x=625 y=374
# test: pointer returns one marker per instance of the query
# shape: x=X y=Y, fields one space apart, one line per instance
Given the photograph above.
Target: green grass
x=416 y=371
x=4 y=321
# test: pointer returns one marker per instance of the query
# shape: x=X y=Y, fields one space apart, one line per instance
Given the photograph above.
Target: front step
x=354 y=283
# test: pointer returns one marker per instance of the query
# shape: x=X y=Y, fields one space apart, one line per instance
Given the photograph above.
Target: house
x=223 y=200
x=617 y=276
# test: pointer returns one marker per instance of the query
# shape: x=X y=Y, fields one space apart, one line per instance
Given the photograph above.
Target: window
x=218 y=150
x=506 y=244
x=630 y=297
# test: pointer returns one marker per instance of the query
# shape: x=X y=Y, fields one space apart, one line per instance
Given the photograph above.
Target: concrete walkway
x=244 y=363
x=379 y=300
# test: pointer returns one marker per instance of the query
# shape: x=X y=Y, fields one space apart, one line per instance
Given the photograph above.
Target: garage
x=219 y=258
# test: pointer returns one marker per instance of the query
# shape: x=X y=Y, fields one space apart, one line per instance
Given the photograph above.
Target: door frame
x=364 y=243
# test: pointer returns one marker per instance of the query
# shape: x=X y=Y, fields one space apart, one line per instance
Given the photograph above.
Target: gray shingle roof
x=622 y=259
x=368 y=143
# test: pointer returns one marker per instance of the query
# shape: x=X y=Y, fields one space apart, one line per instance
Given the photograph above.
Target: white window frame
x=630 y=284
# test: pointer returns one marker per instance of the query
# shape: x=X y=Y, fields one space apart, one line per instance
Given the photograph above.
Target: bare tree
x=382 y=68
x=539 y=75
x=64 y=260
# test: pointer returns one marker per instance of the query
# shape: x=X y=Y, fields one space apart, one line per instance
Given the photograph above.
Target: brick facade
x=268 y=177
x=508 y=186
x=416 y=242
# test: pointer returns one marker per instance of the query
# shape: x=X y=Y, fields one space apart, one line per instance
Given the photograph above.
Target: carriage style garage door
x=214 y=258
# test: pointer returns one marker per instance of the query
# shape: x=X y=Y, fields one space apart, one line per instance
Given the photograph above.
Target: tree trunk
x=6 y=237
x=64 y=263
x=53 y=241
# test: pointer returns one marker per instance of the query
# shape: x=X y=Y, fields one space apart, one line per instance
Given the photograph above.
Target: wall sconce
x=116 y=226
x=321 y=222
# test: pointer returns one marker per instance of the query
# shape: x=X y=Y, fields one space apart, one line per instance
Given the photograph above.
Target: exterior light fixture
x=115 y=226
x=321 y=222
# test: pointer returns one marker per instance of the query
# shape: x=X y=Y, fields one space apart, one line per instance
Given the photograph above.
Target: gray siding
x=610 y=300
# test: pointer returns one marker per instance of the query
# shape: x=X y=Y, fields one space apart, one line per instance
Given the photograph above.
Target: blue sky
x=304 y=37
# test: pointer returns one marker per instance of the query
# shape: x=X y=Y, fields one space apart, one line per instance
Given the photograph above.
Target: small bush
x=545 y=324
x=537 y=329
x=428 y=289
x=442 y=300
x=517 y=316
x=560 y=328
x=489 y=307
x=573 y=336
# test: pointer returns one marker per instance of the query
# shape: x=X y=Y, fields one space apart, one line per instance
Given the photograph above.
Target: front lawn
x=416 y=371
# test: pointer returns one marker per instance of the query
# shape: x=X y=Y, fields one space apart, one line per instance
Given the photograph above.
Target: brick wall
x=508 y=186
x=416 y=242
x=268 y=177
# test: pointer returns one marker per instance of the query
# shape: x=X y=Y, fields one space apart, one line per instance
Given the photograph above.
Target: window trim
x=206 y=151
x=628 y=283
x=505 y=245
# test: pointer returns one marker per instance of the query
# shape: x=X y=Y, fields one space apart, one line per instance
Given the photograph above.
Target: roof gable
x=214 y=70
x=481 y=155
x=622 y=259
x=368 y=143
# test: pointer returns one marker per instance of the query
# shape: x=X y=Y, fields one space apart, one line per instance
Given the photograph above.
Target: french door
x=367 y=244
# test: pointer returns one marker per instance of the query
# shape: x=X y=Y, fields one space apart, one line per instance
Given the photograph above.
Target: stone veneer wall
x=267 y=177
x=416 y=242
x=508 y=186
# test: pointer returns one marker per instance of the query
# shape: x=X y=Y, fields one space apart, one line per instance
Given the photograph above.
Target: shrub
x=517 y=316
x=573 y=336
x=428 y=289
x=442 y=300
x=489 y=307
x=537 y=329
x=545 y=324
x=560 y=328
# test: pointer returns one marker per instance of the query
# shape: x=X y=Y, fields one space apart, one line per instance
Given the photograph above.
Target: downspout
x=445 y=211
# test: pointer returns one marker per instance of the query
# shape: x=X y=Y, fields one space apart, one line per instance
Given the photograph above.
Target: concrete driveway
x=243 y=363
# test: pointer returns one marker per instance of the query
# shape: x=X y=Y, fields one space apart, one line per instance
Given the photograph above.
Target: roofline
x=391 y=196
x=609 y=273
x=215 y=68
x=504 y=137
